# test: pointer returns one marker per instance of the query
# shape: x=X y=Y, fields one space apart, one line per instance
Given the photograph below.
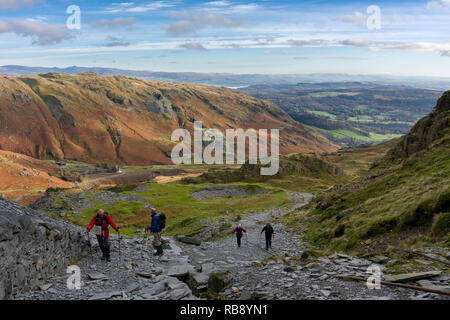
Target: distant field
x=350 y=114
x=323 y=114
x=331 y=94
x=343 y=134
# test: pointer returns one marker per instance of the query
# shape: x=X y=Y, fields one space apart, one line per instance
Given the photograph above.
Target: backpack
x=98 y=227
x=162 y=221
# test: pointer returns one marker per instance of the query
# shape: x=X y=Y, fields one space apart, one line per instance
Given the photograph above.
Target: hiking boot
x=103 y=258
x=108 y=259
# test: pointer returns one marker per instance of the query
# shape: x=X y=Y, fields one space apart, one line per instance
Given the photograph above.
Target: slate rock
x=208 y=268
x=106 y=295
x=289 y=269
x=132 y=288
x=178 y=294
x=190 y=240
x=97 y=276
x=144 y=275
x=405 y=277
x=45 y=287
x=326 y=293
x=180 y=270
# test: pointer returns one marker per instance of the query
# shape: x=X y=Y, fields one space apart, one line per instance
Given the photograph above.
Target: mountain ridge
x=236 y=80
x=96 y=119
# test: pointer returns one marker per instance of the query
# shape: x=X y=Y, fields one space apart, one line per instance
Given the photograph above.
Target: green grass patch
x=409 y=203
x=323 y=114
x=184 y=213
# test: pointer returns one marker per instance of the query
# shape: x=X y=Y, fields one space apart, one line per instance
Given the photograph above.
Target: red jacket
x=97 y=221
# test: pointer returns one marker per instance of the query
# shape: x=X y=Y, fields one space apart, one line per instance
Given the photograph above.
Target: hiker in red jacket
x=101 y=221
x=239 y=230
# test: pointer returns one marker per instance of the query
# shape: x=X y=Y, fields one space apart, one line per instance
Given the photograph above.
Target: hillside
x=298 y=172
x=22 y=175
x=121 y=120
x=351 y=113
x=404 y=200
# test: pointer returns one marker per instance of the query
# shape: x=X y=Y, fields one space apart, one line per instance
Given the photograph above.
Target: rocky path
x=286 y=271
x=249 y=272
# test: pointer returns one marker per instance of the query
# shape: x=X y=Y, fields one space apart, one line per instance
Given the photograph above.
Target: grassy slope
x=357 y=161
x=298 y=173
x=184 y=213
x=186 y=216
x=372 y=137
x=402 y=202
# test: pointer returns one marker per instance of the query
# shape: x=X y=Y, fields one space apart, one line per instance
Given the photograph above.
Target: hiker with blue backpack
x=157 y=225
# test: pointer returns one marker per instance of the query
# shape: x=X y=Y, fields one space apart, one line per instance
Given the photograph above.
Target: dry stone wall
x=34 y=247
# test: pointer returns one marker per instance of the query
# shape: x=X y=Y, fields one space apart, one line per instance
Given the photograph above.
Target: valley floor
x=286 y=272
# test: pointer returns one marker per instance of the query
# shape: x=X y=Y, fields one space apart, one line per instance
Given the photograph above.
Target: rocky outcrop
x=34 y=247
x=61 y=203
x=213 y=192
x=427 y=131
x=298 y=164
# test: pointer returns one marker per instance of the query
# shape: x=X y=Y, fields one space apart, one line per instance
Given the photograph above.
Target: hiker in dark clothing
x=269 y=235
x=102 y=221
x=158 y=223
x=239 y=230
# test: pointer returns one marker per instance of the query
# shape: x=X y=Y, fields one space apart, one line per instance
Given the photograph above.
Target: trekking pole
x=259 y=241
x=90 y=246
x=120 y=254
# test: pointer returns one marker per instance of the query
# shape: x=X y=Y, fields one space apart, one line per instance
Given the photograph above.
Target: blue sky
x=235 y=36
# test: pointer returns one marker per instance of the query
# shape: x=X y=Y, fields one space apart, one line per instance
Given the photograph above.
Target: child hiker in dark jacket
x=239 y=231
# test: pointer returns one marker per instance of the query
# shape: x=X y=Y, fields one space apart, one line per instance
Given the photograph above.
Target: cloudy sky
x=234 y=36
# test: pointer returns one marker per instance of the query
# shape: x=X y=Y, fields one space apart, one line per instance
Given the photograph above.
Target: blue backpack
x=162 y=221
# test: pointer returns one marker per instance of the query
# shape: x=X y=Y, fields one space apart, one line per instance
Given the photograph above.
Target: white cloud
x=356 y=42
x=309 y=42
x=114 y=23
x=226 y=7
x=438 y=4
x=190 y=22
x=116 y=42
x=244 y=8
x=41 y=33
x=398 y=45
x=15 y=4
x=356 y=18
x=374 y=49
x=131 y=7
x=402 y=19
x=193 y=46
x=222 y=3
